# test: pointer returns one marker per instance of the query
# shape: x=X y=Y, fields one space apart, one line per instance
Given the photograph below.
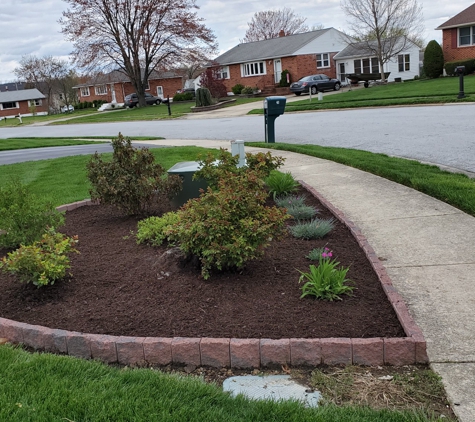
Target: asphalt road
x=443 y=135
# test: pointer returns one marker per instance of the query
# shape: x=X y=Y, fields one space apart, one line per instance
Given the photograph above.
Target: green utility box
x=191 y=188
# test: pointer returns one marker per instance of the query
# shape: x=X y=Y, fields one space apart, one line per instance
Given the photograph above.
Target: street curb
x=232 y=352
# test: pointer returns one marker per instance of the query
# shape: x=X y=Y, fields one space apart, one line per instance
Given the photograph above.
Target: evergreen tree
x=433 y=60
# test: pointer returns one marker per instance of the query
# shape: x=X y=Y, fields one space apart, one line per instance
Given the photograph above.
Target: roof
x=12 y=86
x=117 y=76
x=268 y=49
x=366 y=48
x=465 y=17
x=21 y=95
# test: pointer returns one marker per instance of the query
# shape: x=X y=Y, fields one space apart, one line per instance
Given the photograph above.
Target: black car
x=314 y=84
x=132 y=100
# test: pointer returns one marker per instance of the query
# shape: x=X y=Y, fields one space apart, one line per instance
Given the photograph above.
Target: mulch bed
x=118 y=288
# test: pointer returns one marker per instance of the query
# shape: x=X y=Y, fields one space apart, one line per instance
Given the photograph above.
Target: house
x=458 y=36
x=359 y=58
x=24 y=102
x=113 y=87
x=260 y=64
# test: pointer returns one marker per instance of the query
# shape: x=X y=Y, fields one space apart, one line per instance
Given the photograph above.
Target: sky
x=30 y=27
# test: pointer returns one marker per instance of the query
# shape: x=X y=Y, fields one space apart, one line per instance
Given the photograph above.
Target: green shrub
x=314 y=229
x=24 y=217
x=213 y=169
x=152 y=229
x=203 y=97
x=301 y=212
x=469 y=66
x=325 y=281
x=236 y=89
x=433 y=60
x=132 y=180
x=42 y=263
x=247 y=90
x=281 y=183
x=183 y=96
x=315 y=254
x=283 y=78
x=286 y=201
x=227 y=227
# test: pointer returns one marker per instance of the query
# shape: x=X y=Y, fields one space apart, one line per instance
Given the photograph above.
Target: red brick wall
x=298 y=67
x=24 y=109
x=451 y=51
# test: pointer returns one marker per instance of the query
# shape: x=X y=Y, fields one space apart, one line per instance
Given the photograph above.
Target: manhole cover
x=273 y=387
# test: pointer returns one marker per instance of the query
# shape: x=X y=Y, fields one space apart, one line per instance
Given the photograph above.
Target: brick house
x=115 y=86
x=458 y=36
x=25 y=102
x=260 y=64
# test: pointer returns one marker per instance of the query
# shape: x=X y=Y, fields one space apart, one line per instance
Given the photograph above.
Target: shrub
x=183 y=96
x=131 y=180
x=325 y=281
x=225 y=228
x=469 y=66
x=302 y=212
x=314 y=229
x=315 y=254
x=152 y=229
x=203 y=97
x=24 y=218
x=281 y=183
x=283 y=78
x=285 y=201
x=211 y=79
x=433 y=60
x=236 y=89
x=247 y=90
x=42 y=263
x=213 y=168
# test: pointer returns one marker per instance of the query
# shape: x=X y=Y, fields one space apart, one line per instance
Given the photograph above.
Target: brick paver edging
x=233 y=352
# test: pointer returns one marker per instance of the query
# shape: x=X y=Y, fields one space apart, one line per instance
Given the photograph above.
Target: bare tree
x=268 y=24
x=385 y=26
x=136 y=36
x=44 y=73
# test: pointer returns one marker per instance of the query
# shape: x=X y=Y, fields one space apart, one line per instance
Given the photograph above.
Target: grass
x=11 y=122
x=427 y=91
x=43 y=388
x=20 y=143
x=455 y=189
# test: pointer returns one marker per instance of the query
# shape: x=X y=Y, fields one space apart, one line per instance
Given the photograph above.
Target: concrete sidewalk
x=427 y=248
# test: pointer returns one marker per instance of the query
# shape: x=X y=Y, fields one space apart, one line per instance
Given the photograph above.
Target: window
x=323 y=60
x=85 y=91
x=369 y=65
x=12 y=104
x=223 y=72
x=253 y=69
x=100 y=90
x=404 y=62
x=35 y=103
x=467 y=36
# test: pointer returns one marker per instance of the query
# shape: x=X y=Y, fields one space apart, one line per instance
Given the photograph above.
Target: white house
x=360 y=59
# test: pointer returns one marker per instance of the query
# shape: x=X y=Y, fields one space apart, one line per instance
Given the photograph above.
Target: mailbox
x=273 y=108
x=460 y=70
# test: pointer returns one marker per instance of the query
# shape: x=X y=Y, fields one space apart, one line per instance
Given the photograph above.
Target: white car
x=67 y=109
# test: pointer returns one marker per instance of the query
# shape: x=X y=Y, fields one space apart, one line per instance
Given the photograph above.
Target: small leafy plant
x=314 y=229
x=286 y=201
x=315 y=254
x=24 y=218
x=42 y=263
x=152 y=230
x=302 y=212
x=325 y=281
x=281 y=183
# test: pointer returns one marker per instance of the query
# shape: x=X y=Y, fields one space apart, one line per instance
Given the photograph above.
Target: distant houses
x=24 y=102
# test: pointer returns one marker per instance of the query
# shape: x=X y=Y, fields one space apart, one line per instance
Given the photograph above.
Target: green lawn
x=12 y=122
x=20 y=143
x=428 y=91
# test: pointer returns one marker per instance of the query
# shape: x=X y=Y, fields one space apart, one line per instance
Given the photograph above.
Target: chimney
x=281 y=33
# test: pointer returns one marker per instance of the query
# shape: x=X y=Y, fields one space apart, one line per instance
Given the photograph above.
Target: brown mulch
x=118 y=288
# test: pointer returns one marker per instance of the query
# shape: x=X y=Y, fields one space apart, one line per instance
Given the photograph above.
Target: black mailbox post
x=273 y=108
x=460 y=70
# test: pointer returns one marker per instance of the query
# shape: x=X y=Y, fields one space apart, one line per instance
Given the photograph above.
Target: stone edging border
x=232 y=352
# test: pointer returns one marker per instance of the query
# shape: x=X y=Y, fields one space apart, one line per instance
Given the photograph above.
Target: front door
x=341 y=72
x=160 y=92
x=277 y=70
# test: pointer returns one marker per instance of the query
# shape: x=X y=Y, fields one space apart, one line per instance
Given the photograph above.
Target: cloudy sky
x=30 y=26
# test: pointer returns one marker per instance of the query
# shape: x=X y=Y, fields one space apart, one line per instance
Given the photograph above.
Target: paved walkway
x=428 y=250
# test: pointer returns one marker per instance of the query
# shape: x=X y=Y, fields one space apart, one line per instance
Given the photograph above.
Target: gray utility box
x=191 y=188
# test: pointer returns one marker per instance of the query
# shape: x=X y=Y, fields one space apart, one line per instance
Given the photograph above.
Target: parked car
x=132 y=100
x=67 y=109
x=314 y=84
